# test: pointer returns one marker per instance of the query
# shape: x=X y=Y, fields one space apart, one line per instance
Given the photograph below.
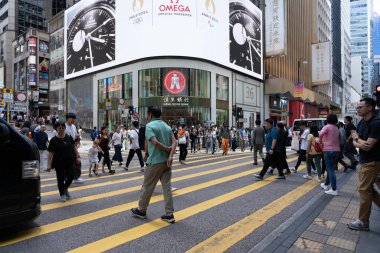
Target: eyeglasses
x=360 y=107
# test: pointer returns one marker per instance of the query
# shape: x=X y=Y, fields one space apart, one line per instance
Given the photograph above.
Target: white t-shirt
x=134 y=136
x=93 y=155
x=71 y=130
x=116 y=138
x=304 y=135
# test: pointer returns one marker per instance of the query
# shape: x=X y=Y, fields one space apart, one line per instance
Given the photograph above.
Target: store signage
x=7 y=95
x=275 y=28
x=321 y=63
x=228 y=33
x=175 y=101
x=174 y=82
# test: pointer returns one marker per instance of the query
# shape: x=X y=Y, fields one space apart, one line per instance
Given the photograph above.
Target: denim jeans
x=331 y=157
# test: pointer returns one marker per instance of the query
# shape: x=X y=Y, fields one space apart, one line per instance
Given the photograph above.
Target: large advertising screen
x=103 y=33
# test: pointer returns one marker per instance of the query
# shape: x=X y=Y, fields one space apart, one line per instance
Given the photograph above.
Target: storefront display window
x=221 y=87
x=183 y=94
x=115 y=94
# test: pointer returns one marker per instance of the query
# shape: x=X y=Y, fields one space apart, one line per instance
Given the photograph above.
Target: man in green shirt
x=160 y=145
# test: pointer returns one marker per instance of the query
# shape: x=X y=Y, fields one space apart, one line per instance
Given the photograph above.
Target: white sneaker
x=332 y=192
x=79 y=181
x=325 y=187
x=174 y=189
x=63 y=198
x=306 y=176
x=292 y=169
x=314 y=171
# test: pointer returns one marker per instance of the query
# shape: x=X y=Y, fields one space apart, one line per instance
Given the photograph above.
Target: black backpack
x=142 y=137
x=282 y=139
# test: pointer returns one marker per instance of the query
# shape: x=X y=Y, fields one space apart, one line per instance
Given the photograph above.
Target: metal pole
x=8 y=112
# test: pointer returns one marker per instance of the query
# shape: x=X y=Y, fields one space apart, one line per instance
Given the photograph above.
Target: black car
x=20 y=187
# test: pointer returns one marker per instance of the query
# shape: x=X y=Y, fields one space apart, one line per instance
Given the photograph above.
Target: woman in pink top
x=329 y=137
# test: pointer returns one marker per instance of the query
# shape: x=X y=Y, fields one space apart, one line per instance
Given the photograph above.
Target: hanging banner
x=275 y=28
x=321 y=63
x=298 y=89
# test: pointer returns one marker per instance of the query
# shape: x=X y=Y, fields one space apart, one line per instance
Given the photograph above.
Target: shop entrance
x=179 y=116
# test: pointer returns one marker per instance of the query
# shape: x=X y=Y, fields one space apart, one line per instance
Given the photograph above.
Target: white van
x=319 y=122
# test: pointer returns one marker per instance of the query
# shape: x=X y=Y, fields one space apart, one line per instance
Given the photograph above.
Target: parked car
x=319 y=122
x=20 y=196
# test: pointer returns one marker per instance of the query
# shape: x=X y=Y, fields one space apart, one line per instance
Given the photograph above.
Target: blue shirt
x=271 y=135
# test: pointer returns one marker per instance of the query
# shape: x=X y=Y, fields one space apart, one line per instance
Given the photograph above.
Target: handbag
x=182 y=140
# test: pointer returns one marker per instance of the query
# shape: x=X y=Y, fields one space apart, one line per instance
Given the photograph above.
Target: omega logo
x=174 y=6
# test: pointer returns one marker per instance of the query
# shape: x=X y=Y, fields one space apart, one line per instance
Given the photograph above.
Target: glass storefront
x=183 y=94
x=114 y=96
x=222 y=94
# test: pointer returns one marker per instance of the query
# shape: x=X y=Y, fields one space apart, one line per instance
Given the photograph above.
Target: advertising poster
x=44 y=46
x=101 y=34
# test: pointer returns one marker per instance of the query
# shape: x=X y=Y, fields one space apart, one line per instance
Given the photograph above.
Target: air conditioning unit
x=33 y=32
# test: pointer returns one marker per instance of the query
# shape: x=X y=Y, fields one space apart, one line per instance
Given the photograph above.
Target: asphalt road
x=218 y=207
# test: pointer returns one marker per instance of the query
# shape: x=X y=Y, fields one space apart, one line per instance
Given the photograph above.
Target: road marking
x=229 y=236
x=118 y=239
x=74 y=221
x=76 y=201
x=107 y=183
x=136 y=172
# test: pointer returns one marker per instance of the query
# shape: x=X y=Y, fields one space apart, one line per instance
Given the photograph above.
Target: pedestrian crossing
x=206 y=184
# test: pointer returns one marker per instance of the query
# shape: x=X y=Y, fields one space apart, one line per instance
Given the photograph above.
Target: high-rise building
x=337 y=81
x=361 y=39
x=295 y=66
x=16 y=17
x=346 y=53
x=376 y=34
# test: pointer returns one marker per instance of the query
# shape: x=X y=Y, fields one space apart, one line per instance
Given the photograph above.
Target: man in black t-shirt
x=349 y=149
x=367 y=140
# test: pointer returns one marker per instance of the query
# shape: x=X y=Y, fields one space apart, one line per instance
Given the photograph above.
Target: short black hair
x=270 y=121
x=314 y=130
x=280 y=125
x=183 y=125
x=370 y=102
x=155 y=111
x=71 y=115
x=332 y=119
x=348 y=118
x=258 y=122
x=135 y=124
x=61 y=124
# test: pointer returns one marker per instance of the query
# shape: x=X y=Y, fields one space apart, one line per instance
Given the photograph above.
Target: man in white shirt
x=71 y=130
x=303 y=147
x=116 y=141
x=134 y=146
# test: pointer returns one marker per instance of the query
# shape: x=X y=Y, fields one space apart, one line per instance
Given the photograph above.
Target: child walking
x=93 y=158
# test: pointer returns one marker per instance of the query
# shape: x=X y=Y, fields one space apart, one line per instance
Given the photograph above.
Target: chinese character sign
x=275 y=31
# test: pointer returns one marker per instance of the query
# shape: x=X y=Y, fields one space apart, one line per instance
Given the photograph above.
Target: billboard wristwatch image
x=91 y=36
x=245 y=35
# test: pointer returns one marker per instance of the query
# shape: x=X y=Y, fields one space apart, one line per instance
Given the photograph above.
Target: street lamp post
x=300 y=61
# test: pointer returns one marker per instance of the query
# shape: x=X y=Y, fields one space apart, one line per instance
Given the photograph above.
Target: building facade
x=198 y=85
x=361 y=39
x=346 y=53
x=337 y=79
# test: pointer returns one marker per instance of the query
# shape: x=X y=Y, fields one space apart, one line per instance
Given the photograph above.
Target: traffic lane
x=96 y=205
x=94 y=230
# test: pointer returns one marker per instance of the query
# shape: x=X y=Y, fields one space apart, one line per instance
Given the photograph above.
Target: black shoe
x=258 y=176
x=288 y=172
x=120 y=164
x=353 y=166
x=138 y=214
x=270 y=172
x=111 y=172
x=168 y=218
x=254 y=163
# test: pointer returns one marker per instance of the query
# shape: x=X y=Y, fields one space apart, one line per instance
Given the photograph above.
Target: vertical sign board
x=275 y=28
x=2 y=77
x=321 y=63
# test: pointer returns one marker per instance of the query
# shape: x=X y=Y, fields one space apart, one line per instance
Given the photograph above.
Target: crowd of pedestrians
x=321 y=149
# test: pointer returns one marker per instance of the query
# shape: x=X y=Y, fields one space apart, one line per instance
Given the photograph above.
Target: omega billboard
x=103 y=33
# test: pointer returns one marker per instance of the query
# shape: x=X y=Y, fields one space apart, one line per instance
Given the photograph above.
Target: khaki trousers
x=152 y=174
x=367 y=177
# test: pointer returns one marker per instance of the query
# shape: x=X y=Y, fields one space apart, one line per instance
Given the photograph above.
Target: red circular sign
x=174 y=82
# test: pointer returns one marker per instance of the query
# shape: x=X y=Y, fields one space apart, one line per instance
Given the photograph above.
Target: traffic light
x=131 y=110
x=377 y=95
x=234 y=110
x=239 y=112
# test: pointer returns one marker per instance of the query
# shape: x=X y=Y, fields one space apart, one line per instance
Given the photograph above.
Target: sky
x=376 y=6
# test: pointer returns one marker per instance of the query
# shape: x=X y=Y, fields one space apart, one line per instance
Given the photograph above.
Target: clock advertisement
x=101 y=34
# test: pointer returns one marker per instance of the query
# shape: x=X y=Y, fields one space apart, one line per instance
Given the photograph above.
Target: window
x=221 y=87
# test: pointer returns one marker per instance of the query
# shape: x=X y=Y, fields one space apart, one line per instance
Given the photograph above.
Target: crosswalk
x=219 y=207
